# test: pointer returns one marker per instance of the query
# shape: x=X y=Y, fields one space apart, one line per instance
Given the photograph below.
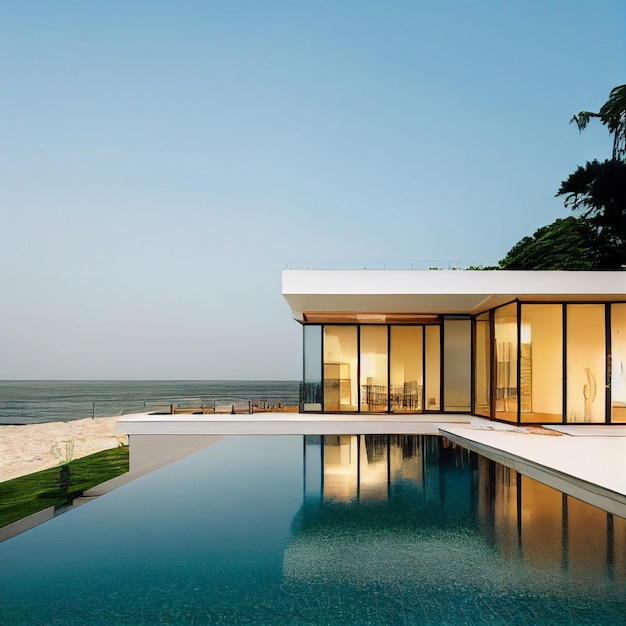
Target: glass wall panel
x=586 y=363
x=505 y=328
x=406 y=368
x=433 y=368
x=618 y=363
x=457 y=364
x=311 y=396
x=541 y=363
x=374 y=362
x=340 y=368
x=482 y=367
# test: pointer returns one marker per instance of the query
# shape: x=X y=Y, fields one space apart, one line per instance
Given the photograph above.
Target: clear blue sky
x=161 y=162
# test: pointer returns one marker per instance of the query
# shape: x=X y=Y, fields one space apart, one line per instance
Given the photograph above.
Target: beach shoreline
x=30 y=448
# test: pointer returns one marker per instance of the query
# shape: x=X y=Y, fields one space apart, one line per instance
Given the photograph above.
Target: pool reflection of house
x=515 y=346
x=380 y=492
x=368 y=468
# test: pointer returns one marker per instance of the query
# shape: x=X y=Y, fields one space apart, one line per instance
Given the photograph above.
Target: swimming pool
x=322 y=530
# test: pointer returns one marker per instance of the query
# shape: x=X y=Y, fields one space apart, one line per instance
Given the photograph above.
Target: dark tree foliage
x=566 y=244
x=598 y=191
x=596 y=239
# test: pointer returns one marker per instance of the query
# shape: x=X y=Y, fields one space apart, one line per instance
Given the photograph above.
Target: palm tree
x=598 y=189
x=613 y=115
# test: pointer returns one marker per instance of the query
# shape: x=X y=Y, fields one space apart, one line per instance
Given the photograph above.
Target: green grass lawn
x=29 y=494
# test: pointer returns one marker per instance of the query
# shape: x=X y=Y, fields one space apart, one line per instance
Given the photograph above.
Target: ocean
x=38 y=401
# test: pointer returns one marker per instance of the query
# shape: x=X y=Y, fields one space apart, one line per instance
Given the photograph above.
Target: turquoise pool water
x=335 y=530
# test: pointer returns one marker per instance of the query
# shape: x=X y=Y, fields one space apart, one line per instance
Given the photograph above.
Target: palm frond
x=612 y=114
x=583 y=118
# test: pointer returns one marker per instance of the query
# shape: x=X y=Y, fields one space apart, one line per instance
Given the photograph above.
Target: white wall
x=155 y=450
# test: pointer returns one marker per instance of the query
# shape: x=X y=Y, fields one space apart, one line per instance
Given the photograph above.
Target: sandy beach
x=34 y=447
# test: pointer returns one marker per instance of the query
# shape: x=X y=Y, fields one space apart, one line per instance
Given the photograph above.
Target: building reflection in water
x=406 y=482
x=546 y=527
x=360 y=468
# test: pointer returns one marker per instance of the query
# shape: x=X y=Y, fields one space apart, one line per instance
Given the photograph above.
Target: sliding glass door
x=340 y=368
x=374 y=356
x=407 y=369
x=373 y=368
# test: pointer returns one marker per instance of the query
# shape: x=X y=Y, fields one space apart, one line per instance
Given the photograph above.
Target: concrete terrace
x=286 y=424
x=586 y=462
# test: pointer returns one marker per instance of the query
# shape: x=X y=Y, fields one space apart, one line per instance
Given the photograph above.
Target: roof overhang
x=383 y=294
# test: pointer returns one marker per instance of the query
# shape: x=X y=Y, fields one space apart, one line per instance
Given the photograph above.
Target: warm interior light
x=368 y=318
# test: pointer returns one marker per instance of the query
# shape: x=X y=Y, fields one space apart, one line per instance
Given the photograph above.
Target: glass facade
x=482 y=365
x=457 y=364
x=521 y=362
x=375 y=368
x=432 y=353
x=618 y=363
x=541 y=363
x=340 y=368
x=374 y=371
x=311 y=393
x=505 y=329
x=406 y=371
x=585 y=363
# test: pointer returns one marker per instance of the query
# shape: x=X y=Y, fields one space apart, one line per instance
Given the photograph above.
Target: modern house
x=388 y=354
x=515 y=346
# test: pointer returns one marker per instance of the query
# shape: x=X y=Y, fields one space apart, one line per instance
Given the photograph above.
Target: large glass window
x=541 y=363
x=311 y=397
x=586 y=363
x=482 y=366
x=406 y=368
x=618 y=362
x=506 y=362
x=433 y=368
x=373 y=366
x=340 y=368
x=457 y=346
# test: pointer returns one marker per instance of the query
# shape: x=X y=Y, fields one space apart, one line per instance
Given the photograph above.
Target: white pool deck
x=585 y=461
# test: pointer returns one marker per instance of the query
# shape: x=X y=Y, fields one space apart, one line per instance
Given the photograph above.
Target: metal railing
x=420 y=264
x=15 y=412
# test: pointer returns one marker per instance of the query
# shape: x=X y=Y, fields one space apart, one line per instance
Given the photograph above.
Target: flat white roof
x=439 y=291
